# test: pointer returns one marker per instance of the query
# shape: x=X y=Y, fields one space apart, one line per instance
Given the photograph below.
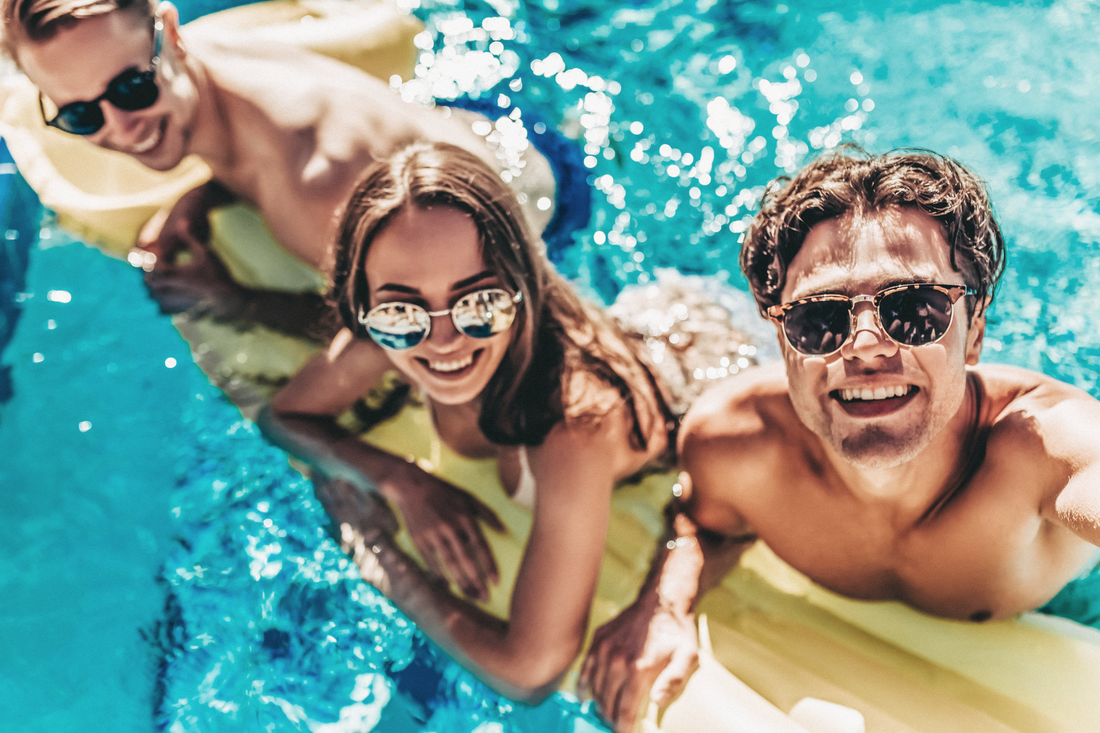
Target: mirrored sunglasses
x=480 y=314
x=913 y=314
x=129 y=91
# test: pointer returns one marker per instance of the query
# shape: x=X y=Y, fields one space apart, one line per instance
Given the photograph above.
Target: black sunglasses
x=129 y=91
x=913 y=314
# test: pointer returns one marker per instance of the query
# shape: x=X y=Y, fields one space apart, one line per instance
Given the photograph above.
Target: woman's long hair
x=562 y=353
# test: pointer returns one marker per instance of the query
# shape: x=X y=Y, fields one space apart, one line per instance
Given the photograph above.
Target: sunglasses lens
x=397 y=326
x=484 y=313
x=916 y=316
x=133 y=90
x=81 y=118
x=818 y=327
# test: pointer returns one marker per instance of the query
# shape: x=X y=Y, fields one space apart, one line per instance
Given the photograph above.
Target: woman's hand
x=442 y=520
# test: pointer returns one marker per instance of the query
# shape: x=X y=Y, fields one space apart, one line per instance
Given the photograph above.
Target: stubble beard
x=876 y=448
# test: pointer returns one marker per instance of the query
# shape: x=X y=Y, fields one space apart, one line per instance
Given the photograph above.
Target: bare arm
x=1071 y=432
x=525 y=656
x=182 y=273
x=442 y=519
x=651 y=648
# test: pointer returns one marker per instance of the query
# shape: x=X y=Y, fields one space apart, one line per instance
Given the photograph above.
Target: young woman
x=438 y=278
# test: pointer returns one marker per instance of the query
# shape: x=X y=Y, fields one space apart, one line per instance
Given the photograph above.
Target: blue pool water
x=162 y=567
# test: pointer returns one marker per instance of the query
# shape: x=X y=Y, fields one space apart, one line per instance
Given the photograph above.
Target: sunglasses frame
x=778 y=313
x=147 y=76
x=516 y=298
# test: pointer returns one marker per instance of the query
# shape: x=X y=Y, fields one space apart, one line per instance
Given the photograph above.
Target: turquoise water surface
x=162 y=567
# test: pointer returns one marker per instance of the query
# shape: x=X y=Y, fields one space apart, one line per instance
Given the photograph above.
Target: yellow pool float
x=769 y=632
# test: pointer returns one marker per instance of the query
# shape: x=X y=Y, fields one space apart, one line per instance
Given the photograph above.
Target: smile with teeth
x=878 y=393
x=149 y=142
x=451 y=366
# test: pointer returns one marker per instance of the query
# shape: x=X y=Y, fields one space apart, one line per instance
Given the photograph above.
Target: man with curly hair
x=879 y=459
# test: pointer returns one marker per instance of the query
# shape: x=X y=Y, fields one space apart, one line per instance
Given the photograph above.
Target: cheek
x=401 y=360
x=496 y=350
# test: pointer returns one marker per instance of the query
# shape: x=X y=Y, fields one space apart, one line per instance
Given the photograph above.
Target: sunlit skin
x=397 y=273
x=158 y=136
x=872 y=499
x=282 y=128
x=862 y=256
x=432 y=257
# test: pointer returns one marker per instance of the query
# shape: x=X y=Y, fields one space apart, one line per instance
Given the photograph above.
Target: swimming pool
x=124 y=475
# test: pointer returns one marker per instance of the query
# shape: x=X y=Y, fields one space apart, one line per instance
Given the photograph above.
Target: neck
x=212 y=135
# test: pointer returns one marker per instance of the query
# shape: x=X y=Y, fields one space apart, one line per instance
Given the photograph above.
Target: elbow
x=536 y=674
x=282 y=402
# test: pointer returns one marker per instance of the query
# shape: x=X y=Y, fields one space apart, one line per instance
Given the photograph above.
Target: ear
x=170 y=18
x=975 y=335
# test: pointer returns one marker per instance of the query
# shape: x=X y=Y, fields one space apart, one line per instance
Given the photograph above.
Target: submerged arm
x=183 y=273
x=442 y=519
x=525 y=656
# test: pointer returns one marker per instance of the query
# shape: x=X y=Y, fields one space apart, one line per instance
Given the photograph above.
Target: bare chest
x=986 y=554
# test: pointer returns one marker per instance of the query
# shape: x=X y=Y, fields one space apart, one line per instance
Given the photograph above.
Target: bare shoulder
x=601 y=422
x=1020 y=397
x=1040 y=419
x=740 y=408
x=293 y=86
x=735 y=443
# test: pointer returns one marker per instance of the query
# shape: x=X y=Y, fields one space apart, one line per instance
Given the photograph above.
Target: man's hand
x=647 y=653
x=181 y=271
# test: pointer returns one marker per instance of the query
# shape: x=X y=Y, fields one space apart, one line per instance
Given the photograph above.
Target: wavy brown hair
x=39 y=20
x=563 y=353
x=850 y=181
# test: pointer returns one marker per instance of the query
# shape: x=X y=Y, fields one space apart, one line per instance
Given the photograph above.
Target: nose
x=867 y=339
x=444 y=336
x=120 y=128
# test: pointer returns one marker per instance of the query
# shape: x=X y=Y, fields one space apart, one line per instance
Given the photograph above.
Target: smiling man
x=879 y=459
x=282 y=128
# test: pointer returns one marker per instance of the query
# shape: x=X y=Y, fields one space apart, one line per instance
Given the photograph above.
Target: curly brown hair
x=851 y=181
x=563 y=352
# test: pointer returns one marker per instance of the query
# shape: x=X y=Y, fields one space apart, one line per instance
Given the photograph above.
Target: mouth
x=152 y=140
x=453 y=368
x=874 y=401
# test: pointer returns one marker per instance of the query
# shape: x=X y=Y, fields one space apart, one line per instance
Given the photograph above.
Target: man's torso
x=980 y=547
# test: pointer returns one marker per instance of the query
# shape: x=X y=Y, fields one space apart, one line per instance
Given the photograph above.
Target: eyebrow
x=882 y=285
x=463 y=283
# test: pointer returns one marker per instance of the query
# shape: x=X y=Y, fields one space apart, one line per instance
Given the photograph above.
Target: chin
x=876 y=448
x=168 y=153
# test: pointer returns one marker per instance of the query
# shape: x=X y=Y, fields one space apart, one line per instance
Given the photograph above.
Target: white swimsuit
x=525 y=491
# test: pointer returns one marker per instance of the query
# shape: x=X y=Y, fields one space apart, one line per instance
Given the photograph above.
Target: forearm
x=689 y=562
x=211 y=195
x=296 y=314
x=477 y=640
x=333 y=451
